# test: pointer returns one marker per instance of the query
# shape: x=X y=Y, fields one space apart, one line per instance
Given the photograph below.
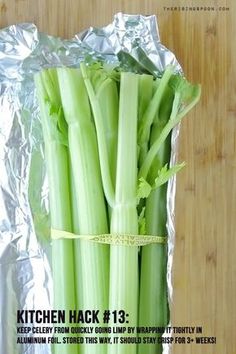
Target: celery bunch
x=116 y=129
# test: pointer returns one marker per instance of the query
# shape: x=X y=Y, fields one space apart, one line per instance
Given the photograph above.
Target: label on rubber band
x=111 y=239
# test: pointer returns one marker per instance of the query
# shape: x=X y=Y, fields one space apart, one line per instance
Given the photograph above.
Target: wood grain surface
x=204 y=42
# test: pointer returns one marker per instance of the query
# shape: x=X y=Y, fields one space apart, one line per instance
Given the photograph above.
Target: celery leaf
x=144 y=189
x=165 y=173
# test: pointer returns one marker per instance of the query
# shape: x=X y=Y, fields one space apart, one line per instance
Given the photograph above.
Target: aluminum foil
x=131 y=41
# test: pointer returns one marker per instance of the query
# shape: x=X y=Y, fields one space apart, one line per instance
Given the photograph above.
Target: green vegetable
x=153 y=285
x=150 y=112
x=117 y=127
x=57 y=160
x=93 y=266
x=122 y=201
x=124 y=218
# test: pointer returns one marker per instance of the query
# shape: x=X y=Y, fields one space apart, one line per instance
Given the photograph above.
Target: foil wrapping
x=131 y=41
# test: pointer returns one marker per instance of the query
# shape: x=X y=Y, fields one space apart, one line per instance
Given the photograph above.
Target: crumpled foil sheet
x=25 y=275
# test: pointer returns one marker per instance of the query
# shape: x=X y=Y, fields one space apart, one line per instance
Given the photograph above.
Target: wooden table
x=204 y=42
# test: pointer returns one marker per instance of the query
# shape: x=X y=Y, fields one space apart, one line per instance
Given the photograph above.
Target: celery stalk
x=108 y=100
x=101 y=138
x=103 y=96
x=145 y=94
x=124 y=219
x=93 y=268
x=150 y=112
x=77 y=253
x=146 y=84
x=57 y=161
x=104 y=100
x=153 y=306
x=109 y=103
x=178 y=99
x=186 y=97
